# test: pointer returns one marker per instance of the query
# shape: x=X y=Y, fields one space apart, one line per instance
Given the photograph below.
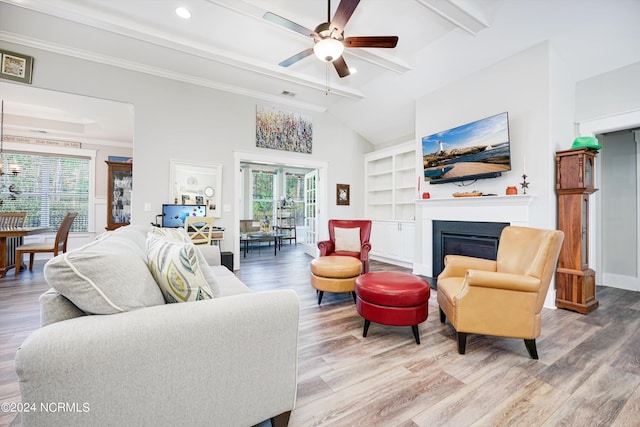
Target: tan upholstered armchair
x=503 y=297
x=348 y=238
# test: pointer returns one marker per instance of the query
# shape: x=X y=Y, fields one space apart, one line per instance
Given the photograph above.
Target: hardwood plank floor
x=588 y=373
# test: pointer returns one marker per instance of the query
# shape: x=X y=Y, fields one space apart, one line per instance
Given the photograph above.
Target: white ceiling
x=228 y=45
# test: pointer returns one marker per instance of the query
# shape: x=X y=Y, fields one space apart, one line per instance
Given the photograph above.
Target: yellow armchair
x=503 y=297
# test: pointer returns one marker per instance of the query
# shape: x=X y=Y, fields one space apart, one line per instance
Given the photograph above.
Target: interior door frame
x=592 y=128
x=280 y=158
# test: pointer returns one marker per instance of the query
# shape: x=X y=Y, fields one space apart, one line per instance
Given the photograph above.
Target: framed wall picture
x=16 y=67
x=283 y=130
x=343 y=195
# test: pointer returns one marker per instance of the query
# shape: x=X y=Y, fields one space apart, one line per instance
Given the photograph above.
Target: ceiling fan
x=328 y=37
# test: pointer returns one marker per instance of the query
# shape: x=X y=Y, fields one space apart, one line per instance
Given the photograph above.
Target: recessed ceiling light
x=183 y=13
x=353 y=70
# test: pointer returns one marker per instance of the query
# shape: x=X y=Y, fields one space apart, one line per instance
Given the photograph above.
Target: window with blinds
x=47 y=188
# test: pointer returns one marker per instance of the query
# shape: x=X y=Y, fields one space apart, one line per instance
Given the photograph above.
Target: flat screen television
x=475 y=150
x=173 y=215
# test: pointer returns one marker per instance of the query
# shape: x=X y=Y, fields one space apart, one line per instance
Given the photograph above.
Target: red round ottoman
x=392 y=298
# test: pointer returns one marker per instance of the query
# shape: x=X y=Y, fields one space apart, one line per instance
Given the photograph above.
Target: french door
x=311 y=212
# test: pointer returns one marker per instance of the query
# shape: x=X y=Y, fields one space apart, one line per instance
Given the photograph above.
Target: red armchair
x=347 y=243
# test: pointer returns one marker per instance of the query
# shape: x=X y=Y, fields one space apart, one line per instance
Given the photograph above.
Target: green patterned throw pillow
x=175 y=234
x=177 y=270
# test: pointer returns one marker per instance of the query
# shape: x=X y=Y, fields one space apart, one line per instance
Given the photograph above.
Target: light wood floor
x=588 y=373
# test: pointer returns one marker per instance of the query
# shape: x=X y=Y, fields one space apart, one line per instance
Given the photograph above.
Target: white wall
x=519 y=85
x=608 y=94
x=176 y=120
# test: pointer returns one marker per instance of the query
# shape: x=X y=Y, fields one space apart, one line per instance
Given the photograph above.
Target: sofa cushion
x=347 y=239
x=107 y=276
x=54 y=307
x=179 y=269
x=227 y=283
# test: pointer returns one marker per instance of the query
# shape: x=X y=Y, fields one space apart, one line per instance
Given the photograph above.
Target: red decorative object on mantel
x=511 y=190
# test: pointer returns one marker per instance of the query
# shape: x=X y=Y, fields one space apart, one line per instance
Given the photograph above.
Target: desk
x=216 y=236
x=14 y=236
x=266 y=237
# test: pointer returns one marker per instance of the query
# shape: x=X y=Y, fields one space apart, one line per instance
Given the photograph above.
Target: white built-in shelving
x=391 y=184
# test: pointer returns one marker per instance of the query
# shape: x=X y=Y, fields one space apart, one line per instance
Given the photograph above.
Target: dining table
x=10 y=238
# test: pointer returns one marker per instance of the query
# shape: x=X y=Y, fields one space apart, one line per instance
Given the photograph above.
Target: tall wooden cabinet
x=575 y=281
x=119 y=186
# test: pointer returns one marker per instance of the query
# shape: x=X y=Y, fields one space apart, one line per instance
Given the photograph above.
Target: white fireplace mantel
x=512 y=209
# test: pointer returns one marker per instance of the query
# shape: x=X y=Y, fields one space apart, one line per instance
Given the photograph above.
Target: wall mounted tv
x=173 y=215
x=475 y=150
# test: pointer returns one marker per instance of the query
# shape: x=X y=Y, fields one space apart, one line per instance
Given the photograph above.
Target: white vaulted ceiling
x=227 y=44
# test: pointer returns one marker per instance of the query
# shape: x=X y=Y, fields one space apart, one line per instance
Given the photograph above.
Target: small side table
x=226 y=258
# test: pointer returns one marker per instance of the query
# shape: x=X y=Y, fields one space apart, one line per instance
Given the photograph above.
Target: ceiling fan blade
x=371 y=41
x=341 y=67
x=290 y=25
x=297 y=57
x=343 y=14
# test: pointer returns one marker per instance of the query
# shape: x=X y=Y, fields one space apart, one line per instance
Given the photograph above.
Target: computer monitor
x=173 y=216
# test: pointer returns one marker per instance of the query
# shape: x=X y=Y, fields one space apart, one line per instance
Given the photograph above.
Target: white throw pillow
x=178 y=270
x=347 y=239
x=107 y=276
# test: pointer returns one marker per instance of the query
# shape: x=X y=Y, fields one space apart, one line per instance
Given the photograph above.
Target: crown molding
x=155 y=71
x=170 y=41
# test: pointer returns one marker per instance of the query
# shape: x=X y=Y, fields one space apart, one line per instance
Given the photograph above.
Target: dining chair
x=200 y=229
x=10 y=220
x=59 y=245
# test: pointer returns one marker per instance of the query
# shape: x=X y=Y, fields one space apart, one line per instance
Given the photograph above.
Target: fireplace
x=470 y=238
x=512 y=210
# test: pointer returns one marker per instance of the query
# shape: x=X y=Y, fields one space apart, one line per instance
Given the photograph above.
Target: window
x=49 y=186
x=269 y=187
x=294 y=193
x=263 y=195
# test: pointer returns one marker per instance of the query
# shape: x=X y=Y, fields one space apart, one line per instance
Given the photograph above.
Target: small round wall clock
x=209 y=191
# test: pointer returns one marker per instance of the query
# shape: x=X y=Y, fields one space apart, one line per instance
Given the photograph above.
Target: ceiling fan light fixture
x=183 y=13
x=328 y=49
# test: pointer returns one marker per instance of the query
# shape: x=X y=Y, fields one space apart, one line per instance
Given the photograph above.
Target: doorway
x=277 y=162
x=597 y=250
x=619 y=202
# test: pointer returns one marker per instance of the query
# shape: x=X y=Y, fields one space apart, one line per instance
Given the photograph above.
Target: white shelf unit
x=391 y=183
x=286 y=217
x=391 y=188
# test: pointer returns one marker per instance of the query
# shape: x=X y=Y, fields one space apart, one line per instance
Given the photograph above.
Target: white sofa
x=226 y=361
